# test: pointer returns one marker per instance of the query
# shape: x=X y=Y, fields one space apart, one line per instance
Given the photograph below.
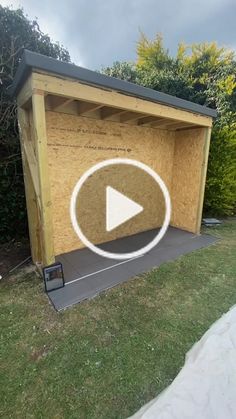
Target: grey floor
x=87 y=274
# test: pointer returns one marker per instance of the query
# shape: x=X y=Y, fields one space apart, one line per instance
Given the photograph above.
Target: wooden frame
x=36 y=176
x=32 y=198
x=203 y=178
x=78 y=91
x=86 y=101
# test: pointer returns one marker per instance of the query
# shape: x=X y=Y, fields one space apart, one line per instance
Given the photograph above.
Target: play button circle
x=119 y=208
x=113 y=199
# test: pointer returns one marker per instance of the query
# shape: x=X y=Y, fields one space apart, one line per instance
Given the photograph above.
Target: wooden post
x=40 y=141
x=30 y=193
x=203 y=178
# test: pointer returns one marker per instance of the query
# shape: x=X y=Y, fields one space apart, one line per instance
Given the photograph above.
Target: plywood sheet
x=187 y=177
x=76 y=143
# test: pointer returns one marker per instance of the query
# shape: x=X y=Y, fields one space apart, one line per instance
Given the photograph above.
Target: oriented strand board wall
x=76 y=143
x=187 y=177
x=130 y=181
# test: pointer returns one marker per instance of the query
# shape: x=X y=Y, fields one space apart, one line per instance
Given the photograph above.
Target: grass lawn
x=106 y=357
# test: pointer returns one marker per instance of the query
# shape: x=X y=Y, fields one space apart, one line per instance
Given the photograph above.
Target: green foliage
x=12 y=211
x=123 y=71
x=152 y=54
x=16 y=33
x=206 y=74
x=210 y=71
x=165 y=80
x=221 y=179
x=158 y=70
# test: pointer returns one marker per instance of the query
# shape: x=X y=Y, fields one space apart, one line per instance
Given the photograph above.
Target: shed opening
x=71 y=118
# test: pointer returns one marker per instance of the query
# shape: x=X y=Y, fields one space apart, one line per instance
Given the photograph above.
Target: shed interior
x=68 y=124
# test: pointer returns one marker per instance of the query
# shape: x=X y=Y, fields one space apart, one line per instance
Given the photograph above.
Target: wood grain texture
x=187 y=179
x=203 y=178
x=41 y=150
x=77 y=143
x=73 y=89
x=31 y=186
x=25 y=93
x=83 y=125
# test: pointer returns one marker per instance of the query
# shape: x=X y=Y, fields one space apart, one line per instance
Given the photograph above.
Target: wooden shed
x=63 y=108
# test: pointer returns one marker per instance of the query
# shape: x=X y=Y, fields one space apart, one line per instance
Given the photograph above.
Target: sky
x=100 y=32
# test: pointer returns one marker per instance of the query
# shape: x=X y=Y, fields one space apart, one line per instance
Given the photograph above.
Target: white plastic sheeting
x=206 y=386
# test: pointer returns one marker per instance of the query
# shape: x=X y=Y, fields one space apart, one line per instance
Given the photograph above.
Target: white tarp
x=205 y=388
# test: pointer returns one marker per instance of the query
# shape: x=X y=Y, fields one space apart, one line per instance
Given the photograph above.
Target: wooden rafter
x=84 y=107
x=179 y=126
x=130 y=116
x=146 y=120
x=96 y=95
x=164 y=122
x=185 y=128
x=107 y=113
x=56 y=102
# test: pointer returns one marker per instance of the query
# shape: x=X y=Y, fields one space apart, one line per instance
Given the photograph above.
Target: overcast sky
x=99 y=32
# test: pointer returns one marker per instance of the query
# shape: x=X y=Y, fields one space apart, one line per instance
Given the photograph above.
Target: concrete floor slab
x=87 y=274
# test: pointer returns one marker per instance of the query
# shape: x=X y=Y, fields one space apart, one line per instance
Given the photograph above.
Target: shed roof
x=32 y=61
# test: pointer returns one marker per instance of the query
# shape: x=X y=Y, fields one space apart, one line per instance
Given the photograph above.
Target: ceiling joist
x=130 y=116
x=57 y=102
x=163 y=123
x=107 y=112
x=85 y=107
x=70 y=105
x=188 y=127
x=146 y=120
x=179 y=125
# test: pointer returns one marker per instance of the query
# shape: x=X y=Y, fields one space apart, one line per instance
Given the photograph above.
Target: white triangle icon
x=119 y=208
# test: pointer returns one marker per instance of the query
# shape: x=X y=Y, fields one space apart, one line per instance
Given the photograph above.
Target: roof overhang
x=32 y=61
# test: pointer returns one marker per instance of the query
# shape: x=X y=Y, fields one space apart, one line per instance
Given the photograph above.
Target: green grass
x=106 y=357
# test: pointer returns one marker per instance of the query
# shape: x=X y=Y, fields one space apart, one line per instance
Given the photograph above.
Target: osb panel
x=76 y=143
x=186 y=182
x=132 y=182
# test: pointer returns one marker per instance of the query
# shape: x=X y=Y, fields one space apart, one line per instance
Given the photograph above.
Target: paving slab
x=88 y=274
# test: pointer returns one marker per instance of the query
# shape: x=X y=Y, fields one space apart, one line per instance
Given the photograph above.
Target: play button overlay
x=116 y=199
x=119 y=208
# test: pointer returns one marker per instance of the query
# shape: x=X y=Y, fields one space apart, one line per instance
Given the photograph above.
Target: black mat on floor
x=87 y=274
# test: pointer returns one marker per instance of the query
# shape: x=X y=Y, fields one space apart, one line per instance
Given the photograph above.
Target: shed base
x=87 y=274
